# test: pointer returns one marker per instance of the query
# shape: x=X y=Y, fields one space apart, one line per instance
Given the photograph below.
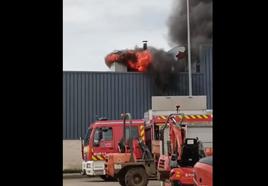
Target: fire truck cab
x=103 y=137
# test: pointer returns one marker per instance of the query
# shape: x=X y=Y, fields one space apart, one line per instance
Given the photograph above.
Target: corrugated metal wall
x=206 y=69
x=87 y=94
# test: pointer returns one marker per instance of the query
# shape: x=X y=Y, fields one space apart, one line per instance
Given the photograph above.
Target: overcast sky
x=94 y=28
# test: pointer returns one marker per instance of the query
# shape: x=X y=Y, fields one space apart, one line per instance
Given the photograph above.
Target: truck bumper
x=93 y=168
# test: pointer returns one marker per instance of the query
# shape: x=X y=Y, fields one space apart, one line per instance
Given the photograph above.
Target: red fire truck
x=102 y=137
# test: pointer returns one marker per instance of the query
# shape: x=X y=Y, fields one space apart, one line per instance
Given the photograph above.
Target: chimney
x=144 y=45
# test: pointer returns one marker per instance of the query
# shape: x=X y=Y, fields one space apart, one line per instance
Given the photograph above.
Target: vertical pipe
x=189 y=50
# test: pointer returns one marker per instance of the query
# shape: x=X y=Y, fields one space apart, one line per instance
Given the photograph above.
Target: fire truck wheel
x=121 y=180
x=136 y=177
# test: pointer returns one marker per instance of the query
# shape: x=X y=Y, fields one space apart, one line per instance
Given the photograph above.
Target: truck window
x=134 y=132
x=87 y=136
x=107 y=134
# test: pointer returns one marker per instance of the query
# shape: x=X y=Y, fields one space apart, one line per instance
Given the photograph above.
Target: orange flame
x=138 y=60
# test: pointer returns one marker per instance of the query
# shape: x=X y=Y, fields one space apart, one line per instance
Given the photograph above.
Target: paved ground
x=77 y=180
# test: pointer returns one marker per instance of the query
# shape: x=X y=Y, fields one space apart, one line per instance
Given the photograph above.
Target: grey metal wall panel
x=206 y=65
x=87 y=94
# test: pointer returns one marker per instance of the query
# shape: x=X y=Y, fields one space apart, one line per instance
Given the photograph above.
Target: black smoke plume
x=200 y=24
x=165 y=66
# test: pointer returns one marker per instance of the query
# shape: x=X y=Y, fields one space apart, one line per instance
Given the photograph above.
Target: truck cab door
x=103 y=141
x=107 y=141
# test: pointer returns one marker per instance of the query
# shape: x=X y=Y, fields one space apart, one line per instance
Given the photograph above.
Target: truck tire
x=136 y=177
x=121 y=180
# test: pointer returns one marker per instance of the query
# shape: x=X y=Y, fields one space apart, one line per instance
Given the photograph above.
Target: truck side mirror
x=96 y=142
x=97 y=138
x=82 y=147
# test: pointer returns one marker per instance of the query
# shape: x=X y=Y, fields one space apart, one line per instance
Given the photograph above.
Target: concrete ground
x=77 y=180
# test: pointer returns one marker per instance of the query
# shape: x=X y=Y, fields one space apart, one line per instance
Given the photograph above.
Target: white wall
x=72 y=157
